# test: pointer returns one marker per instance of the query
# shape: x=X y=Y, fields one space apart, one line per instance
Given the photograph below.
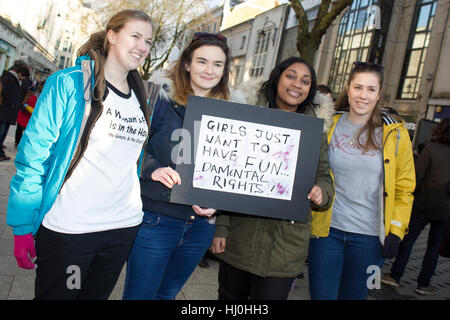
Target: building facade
x=410 y=38
x=44 y=33
x=255 y=43
x=16 y=43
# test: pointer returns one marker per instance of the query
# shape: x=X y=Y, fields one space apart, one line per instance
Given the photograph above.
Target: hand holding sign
x=315 y=195
x=246 y=159
x=208 y=212
x=167 y=176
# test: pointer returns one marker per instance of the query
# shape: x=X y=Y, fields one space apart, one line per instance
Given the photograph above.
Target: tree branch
x=302 y=17
x=335 y=11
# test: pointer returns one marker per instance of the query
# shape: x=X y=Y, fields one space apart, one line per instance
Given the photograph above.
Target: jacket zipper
x=384 y=178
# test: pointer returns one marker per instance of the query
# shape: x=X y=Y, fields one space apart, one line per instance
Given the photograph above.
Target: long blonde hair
x=97 y=46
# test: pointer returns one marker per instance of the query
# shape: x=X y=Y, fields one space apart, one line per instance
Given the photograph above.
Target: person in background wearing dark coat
x=444 y=249
x=26 y=111
x=431 y=206
x=324 y=89
x=10 y=100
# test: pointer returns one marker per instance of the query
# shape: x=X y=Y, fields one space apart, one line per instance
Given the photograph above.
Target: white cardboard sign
x=246 y=158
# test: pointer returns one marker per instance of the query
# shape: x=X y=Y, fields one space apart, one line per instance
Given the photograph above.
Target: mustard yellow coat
x=398 y=180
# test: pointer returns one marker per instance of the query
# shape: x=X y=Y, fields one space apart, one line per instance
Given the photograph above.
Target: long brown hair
x=181 y=78
x=97 y=46
x=341 y=103
x=375 y=118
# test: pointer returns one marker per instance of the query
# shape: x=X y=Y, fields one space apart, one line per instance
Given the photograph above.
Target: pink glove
x=24 y=250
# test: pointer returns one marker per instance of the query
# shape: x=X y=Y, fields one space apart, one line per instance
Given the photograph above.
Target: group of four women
x=90 y=194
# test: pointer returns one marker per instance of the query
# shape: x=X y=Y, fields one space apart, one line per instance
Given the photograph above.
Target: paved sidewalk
x=18 y=284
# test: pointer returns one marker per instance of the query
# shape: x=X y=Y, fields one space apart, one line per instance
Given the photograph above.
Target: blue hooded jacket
x=51 y=146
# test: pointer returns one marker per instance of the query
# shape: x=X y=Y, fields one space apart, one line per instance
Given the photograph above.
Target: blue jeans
x=338 y=265
x=164 y=255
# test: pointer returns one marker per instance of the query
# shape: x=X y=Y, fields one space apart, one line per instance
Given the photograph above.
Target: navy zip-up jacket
x=155 y=195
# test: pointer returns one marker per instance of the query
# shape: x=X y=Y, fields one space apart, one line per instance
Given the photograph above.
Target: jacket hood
x=167 y=91
x=81 y=58
x=324 y=109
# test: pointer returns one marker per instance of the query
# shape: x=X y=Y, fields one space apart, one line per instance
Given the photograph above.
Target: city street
x=18 y=284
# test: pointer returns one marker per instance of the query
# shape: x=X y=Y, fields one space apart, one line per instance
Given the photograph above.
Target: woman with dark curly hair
x=261 y=257
x=431 y=206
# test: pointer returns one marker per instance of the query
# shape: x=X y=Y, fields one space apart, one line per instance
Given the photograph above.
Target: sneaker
x=204 y=262
x=429 y=290
x=387 y=279
x=5 y=157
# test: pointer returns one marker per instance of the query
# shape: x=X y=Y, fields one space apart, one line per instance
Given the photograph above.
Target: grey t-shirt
x=358 y=178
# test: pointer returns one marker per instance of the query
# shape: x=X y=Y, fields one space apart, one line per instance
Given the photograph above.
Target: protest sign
x=246 y=159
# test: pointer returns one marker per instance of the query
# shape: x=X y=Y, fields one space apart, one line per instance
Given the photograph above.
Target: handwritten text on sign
x=246 y=158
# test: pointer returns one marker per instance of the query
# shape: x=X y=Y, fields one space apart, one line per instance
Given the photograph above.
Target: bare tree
x=169 y=19
x=308 y=42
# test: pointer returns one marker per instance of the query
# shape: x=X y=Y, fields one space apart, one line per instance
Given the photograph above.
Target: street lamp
x=263 y=33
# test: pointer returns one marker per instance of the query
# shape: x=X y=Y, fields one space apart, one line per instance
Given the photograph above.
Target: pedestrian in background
x=11 y=96
x=373 y=168
x=324 y=89
x=174 y=237
x=76 y=188
x=26 y=111
x=431 y=206
x=261 y=257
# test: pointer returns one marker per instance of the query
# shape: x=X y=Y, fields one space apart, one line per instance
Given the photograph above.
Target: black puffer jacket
x=432 y=175
x=12 y=94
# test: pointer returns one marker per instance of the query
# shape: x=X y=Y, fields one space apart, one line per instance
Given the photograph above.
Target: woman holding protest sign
x=77 y=183
x=174 y=237
x=260 y=257
x=372 y=162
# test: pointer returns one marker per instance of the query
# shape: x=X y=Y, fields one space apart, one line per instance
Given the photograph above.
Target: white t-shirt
x=103 y=192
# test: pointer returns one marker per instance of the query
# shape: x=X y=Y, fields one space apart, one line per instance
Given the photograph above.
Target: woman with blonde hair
x=76 y=189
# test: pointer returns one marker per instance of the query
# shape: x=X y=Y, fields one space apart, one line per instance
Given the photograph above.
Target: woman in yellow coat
x=372 y=164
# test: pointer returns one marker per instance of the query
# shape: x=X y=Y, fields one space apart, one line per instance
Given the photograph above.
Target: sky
x=214 y=3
